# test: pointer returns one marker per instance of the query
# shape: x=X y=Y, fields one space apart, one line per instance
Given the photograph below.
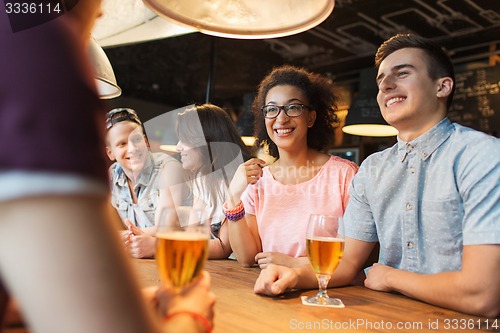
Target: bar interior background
x=158 y=73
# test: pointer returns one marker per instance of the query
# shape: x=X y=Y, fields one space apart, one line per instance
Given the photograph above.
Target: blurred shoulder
x=339 y=162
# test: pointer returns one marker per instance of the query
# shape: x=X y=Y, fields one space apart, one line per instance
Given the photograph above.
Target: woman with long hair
x=211 y=148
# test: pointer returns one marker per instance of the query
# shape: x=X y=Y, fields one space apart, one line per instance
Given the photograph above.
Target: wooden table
x=239 y=310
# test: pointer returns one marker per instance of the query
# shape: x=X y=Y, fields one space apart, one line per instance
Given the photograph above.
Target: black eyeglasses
x=121 y=114
x=291 y=110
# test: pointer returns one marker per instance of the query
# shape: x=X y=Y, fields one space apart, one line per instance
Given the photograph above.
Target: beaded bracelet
x=202 y=320
x=236 y=213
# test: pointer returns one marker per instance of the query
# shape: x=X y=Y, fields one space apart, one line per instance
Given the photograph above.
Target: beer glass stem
x=323 y=283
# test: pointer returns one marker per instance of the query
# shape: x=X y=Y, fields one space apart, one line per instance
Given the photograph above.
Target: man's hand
x=140 y=244
x=376 y=277
x=275 y=280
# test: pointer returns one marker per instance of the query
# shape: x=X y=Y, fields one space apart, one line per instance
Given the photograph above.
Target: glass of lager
x=181 y=248
x=325 y=246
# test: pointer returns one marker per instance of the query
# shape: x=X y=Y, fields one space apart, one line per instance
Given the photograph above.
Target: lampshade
x=130 y=21
x=104 y=75
x=245 y=19
x=245 y=122
x=363 y=117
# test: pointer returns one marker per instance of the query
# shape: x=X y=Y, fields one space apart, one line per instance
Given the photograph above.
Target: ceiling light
x=130 y=21
x=363 y=117
x=249 y=141
x=246 y=19
x=245 y=122
x=103 y=72
x=370 y=130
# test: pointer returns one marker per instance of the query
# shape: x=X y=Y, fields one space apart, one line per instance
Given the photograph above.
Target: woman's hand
x=247 y=173
x=265 y=258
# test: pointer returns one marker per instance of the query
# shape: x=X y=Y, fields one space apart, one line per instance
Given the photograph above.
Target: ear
x=311 y=118
x=110 y=154
x=445 y=85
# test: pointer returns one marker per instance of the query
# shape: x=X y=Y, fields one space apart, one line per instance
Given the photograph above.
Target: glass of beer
x=181 y=248
x=325 y=246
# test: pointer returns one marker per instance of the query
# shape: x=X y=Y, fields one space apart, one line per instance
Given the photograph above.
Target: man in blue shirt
x=432 y=201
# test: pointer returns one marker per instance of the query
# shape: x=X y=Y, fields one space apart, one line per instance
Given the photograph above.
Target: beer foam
x=182 y=235
x=326 y=239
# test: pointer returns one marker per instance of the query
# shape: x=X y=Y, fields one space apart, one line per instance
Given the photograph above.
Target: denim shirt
x=146 y=189
x=424 y=200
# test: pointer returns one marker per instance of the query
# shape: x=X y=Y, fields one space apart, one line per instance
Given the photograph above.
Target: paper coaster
x=339 y=305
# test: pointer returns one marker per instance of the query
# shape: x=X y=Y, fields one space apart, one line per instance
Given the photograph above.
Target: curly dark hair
x=320 y=93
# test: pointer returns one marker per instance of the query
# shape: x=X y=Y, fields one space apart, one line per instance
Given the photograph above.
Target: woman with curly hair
x=269 y=206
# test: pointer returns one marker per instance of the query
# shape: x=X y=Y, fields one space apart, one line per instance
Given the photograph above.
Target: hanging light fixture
x=363 y=117
x=244 y=123
x=104 y=75
x=245 y=19
x=130 y=21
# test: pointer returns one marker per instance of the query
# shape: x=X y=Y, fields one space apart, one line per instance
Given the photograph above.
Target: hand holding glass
x=181 y=251
x=325 y=246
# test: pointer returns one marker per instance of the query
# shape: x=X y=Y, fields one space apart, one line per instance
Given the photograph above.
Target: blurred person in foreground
x=65 y=276
x=432 y=200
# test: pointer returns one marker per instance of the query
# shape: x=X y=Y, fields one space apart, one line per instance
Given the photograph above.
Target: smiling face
x=191 y=157
x=126 y=143
x=408 y=98
x=289 y=133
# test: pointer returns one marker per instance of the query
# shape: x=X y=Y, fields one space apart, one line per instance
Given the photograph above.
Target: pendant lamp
x=363 y=117
x=245 y=19
x=129 y=21
x=104 y=75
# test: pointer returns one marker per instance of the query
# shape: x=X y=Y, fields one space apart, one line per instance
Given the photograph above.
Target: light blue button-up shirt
x=424 y=200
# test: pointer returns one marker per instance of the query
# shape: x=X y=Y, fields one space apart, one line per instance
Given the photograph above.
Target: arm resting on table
x=275 y=279
x=474 y=290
